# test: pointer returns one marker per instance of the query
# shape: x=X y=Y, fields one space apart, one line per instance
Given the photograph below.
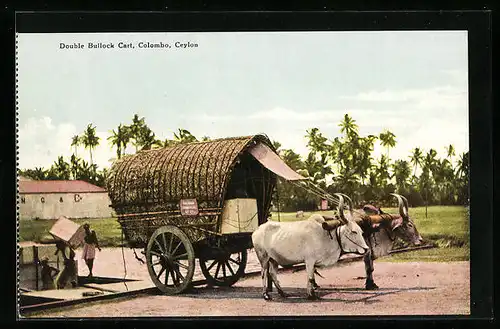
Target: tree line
x=346 y=164
x=343 y=164
x=137 y=134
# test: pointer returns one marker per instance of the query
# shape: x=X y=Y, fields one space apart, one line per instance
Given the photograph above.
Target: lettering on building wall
x=42 y=199
x=77 y=197
x=23 y=199
x=60 y=199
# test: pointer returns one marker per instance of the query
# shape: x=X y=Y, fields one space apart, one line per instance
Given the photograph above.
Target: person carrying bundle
x=69 y=270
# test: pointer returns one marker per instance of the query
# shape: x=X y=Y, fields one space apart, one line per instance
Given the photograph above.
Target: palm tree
x=75 y=165
x=169 y=142
x=39 y=173
x=118 y=139
x=402 y=172
x=462 y=168
x=348 y=126
x=135 y=130
x=276 y=146
x=462 y=178
x=75 y=141
x=316 y=141
x=388 y=140
x=363 y=152
x=450 y=151
x=382 y=171
x=206 y=139
x=84 y=171
x=317 y=169
x=416 y=159
x=52 y=173
x=126 y=137
x=444 y=179
x=184 y=136
x=430 y=160
x=292 y=159
x=147 y=139
x=90 y=140
x=62 y=168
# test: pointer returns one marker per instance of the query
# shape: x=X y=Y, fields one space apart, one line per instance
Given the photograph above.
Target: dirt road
x=405 y=289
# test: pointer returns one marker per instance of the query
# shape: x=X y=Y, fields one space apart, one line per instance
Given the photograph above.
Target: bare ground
x=413 y=288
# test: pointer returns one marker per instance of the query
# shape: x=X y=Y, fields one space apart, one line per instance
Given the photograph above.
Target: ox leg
x=314 y=284
x=311 y=293
x=273 y=271
x=368 y=259
x=265 y=280
x=269 y=281
x=264 y=263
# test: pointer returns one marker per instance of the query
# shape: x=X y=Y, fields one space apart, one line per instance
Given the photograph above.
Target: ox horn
x=341 y=206
x=403 y=205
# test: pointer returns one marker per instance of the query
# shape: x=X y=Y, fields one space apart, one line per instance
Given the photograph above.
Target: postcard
x=243 y=173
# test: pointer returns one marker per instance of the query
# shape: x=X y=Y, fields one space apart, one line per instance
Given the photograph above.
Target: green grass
x=108 y=230
x=445 y=226
x=443 y=254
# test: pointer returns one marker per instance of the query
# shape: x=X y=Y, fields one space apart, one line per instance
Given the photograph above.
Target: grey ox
x=313 y=241
x=380 y=231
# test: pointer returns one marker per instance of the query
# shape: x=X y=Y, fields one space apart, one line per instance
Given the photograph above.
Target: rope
x=124 y=266
x=278 y=203
x=316 y=190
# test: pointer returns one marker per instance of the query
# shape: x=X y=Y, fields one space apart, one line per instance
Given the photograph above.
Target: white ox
x=308 y=241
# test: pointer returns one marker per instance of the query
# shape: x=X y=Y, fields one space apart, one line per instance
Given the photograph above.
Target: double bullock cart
x=193 y=201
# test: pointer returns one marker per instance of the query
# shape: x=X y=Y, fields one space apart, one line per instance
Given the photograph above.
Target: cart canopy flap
x=269 y=159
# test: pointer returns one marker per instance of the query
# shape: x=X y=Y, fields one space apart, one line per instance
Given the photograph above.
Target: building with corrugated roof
x=50 y=199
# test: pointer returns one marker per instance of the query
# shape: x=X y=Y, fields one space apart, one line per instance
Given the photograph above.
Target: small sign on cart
x=189 y=207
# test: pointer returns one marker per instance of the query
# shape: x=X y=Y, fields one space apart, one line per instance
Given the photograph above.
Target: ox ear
x=397 y=222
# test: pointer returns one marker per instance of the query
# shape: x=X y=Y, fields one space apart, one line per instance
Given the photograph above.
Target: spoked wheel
x=225 y=269
x=170 y=259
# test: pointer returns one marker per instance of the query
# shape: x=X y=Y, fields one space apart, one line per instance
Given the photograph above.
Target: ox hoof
x=316 y=287
x=313 y=297
x=266 y=296
x=371 y=286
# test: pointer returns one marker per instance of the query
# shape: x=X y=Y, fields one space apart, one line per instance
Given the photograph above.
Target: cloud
x=41 y=142
x=441 y=93
x=283 y=114
x=208 y=117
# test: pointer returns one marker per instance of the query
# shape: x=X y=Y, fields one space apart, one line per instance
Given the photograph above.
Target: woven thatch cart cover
x=146 y=188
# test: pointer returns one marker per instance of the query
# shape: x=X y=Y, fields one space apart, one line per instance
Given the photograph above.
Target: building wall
x=73 y=205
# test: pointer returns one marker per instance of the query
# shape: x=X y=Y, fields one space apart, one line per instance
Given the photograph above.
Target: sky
x=413 y=83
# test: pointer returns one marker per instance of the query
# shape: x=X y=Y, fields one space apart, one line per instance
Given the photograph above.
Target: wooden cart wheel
x=170 y=259
x=224 y=270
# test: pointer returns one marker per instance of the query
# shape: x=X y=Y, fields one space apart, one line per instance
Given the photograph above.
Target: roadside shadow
x=298 y=295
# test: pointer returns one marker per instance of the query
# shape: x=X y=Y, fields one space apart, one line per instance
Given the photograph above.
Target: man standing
x=89 y=245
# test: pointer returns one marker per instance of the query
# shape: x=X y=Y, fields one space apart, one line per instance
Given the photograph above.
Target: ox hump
x=316 y=218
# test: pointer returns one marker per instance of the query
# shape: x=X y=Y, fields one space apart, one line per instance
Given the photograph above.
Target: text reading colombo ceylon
x=127 y=45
